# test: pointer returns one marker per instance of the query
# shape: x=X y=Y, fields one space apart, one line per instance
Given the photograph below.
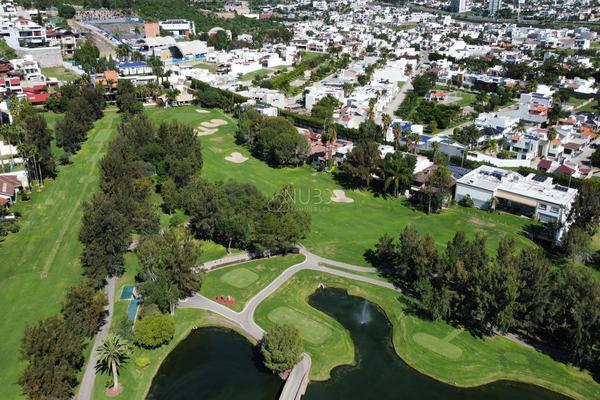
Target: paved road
x=245 y=318
x=89 y=376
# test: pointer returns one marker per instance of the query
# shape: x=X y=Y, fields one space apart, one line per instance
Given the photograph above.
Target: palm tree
x=171 y=95
x=111 y=355
x=413 y=141
x=157 y=67
x=372 y=103
x=397 y=130
x=386 y=121
x=123 y=51
x=396 y=174
x=552 y=134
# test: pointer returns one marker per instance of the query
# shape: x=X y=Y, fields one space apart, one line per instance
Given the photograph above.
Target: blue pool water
x=132 y=309
x=127 y=292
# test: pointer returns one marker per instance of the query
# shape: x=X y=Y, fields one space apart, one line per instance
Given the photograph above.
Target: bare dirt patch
x=214 y=123
x=481 y=223
x=203 y=131
x=236 y=158
x=339 y=196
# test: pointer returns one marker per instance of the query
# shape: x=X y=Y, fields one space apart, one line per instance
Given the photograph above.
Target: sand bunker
x=202 y=131
x=201 y=111
x=236 y=158
x=214 y=123
x=339 y=196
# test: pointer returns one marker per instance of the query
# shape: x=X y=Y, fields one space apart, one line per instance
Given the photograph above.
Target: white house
x=534 y=196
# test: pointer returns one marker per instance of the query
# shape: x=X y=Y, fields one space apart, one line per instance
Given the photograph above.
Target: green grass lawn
x=42 y=259
x=466 y=98
x=60 y=73
x=208 y=67
x=243 y=281
x=336 y=232
x=434 y=348
x=327 y=341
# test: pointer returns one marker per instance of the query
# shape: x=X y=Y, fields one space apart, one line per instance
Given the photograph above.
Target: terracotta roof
x=572 y=146
x=556 y=141
x=37 y=98
x=563 y=169
x=544 y=164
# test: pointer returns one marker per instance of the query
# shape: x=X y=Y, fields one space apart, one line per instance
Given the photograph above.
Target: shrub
x=64 y=159
x=467 y=202
x=142 y=362
x=154 y=331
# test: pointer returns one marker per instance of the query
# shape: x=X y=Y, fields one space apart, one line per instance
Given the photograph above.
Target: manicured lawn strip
x=40 y=261
x=137 y=381
x=228 y=281
x=433 y=348
x=60 y=73
x=251 y=75
x=212 y=251
x=326 y=351
x=208 y=67
x=372 y=275
x=345 y=231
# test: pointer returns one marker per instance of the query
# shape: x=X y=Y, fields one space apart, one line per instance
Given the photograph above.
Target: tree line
x=53 y=348
x=140 y=152
x=237 y=214
x=514 y=290
x=82 y=106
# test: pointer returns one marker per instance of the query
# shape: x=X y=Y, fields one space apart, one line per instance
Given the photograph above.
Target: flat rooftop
x=537 y=187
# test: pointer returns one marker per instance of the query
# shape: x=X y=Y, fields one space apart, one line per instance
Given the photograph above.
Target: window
x=542 y=206
x=554 y=210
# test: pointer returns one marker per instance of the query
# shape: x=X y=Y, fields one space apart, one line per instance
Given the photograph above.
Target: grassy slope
x=461 y=359
x=218 y=282
x=41 y=260
x=60 y=73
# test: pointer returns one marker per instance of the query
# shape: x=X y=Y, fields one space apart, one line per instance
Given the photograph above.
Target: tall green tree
x=173 y=253
x=105 y=235
x=281 y=347
x=83 y=309
x=361 y=163
x=54 y=354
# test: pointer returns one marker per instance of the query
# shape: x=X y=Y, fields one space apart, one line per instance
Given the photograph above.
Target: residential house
x=534 y=196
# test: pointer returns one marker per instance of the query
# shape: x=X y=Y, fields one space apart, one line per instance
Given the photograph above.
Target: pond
x=381 y=374
x=215 y=363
